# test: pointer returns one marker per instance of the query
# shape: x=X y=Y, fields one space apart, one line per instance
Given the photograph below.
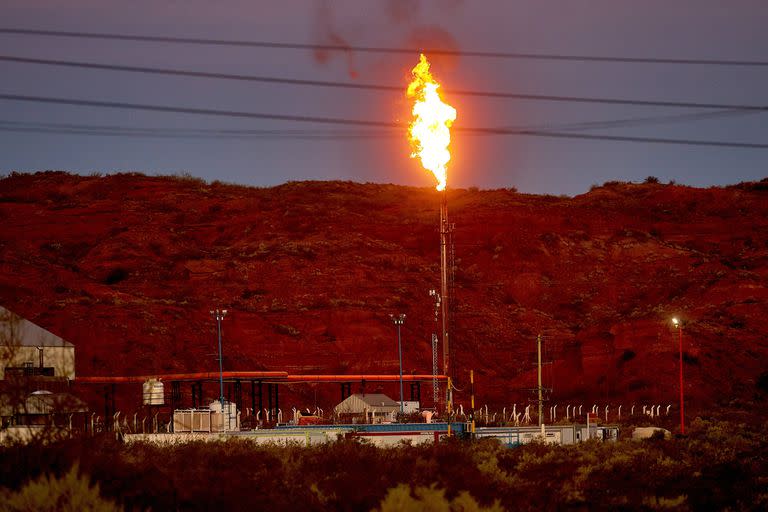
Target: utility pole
x=541 y=389
x=679 y=327
x=472 y=401
x=448 y=406
x=219 y=315
x=398 y=321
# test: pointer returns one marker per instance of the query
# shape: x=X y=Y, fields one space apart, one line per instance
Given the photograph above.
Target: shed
x=42 y=407
x=378 y=407
x=28 y=349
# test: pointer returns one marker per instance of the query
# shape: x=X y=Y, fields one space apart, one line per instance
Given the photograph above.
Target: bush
x=116 y=275
x=718 y=466
x=628 y=355
x=72 y=492
x=762 y=382
x=402 y=499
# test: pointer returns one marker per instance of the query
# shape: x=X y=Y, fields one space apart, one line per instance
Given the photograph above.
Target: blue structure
x=457 y=428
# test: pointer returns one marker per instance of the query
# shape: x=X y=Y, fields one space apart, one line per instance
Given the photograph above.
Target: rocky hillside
x=127 y=267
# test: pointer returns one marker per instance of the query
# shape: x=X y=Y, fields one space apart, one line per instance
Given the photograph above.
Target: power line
x=365 y=123
x=21 y=126
x=182 y=130
x=375 y=49
x=650 y=140
x=372 y=87
x=140 y=134
x=654 y=120
x=99 y=129
x=200 y=111
x=634 y=121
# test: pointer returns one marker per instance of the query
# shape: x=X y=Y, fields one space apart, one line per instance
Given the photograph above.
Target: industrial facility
x=28 y=349
x=168 y=414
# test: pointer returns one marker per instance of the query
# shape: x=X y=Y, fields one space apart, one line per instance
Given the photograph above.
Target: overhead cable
x=11 y=125
x=374 y=87
x=367 y=123
x=375 y=49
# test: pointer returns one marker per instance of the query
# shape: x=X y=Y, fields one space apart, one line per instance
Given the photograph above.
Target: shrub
x=717 y=466
x=628 y=355
x=762 y=382
x=72 y=492
x=401 y=499
x=116 y=275
x=287 y=330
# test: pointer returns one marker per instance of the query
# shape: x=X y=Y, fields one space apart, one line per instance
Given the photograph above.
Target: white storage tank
x=228 y=421
x=153 y=392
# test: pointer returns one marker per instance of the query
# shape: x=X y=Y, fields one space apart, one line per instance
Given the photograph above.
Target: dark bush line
x=719 y=466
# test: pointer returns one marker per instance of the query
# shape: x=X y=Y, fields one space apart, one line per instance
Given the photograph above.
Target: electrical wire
x=375 y=124
x=648 y=140
x=273 y=136
x=374 y=49
x=7 y=125
x=199 y=111
x=125 y=131
x=205 y=131
x=653 y=120
x=372 y=87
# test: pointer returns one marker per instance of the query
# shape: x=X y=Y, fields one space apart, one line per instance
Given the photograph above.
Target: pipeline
x=262 y=375
x=180 y=377
x=373 y=378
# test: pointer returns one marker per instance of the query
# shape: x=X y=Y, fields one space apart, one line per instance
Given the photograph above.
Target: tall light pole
x=435 y=364
x=679 y=328
x=219 y=315
x=398 y=321
x=540 y=388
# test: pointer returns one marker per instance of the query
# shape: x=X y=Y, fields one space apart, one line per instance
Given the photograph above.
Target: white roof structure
x=359 y=404
x=49 y=403
x=21 y=332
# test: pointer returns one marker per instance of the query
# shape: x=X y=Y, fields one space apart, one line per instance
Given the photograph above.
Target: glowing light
x=430 y=133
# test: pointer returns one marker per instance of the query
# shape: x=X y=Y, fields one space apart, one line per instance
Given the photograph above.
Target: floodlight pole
x=398 y=320
x=540 y=388
x=219 y=315
x=679 y=327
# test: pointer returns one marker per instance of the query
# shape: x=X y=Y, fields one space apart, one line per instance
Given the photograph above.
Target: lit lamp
x=218 y=315
x=398 y=320
x=679 y=328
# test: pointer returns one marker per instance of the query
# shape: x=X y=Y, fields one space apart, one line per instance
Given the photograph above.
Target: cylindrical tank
x=153 y=392
x=227 y=421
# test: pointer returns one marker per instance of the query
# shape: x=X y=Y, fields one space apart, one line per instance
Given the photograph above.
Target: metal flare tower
x=444 y=288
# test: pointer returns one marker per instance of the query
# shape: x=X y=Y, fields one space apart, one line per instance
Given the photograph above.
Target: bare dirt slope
x=127 y=266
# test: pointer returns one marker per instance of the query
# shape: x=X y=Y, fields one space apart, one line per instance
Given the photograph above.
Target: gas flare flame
x=430 y=132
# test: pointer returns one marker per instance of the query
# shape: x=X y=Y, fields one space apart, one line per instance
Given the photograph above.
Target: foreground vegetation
x=718 y=466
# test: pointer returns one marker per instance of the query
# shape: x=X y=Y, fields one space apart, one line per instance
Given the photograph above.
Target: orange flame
x=430 y=132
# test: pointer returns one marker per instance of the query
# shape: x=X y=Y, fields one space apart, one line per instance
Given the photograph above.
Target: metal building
x=27 y=349
x=370 y=408
x=553 y=434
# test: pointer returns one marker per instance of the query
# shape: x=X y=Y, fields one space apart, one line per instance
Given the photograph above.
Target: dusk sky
x=32 y=135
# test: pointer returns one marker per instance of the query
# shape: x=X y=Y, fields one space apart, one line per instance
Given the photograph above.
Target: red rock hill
x=127 y=267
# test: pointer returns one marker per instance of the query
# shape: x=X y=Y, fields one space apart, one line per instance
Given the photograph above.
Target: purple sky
x=695 y=29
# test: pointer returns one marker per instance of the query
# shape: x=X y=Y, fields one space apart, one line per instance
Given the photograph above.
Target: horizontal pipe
x=182 y=376
x=348 y=378
x=272 y=376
